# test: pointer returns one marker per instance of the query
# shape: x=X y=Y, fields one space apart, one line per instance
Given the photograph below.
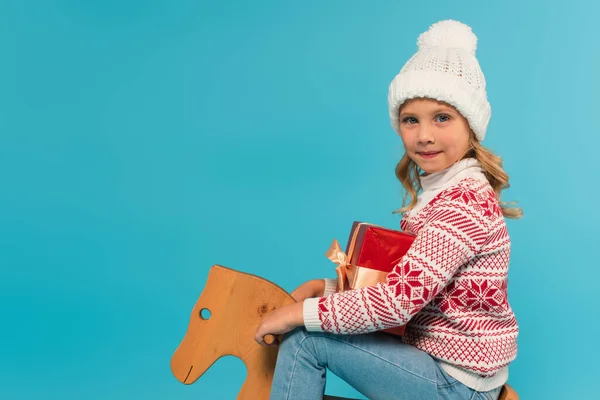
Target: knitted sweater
x=450 y=289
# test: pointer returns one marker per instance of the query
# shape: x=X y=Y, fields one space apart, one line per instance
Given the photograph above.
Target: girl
x=450 y=289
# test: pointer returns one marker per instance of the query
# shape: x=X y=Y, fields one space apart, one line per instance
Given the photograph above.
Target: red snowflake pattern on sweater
x=450 y=288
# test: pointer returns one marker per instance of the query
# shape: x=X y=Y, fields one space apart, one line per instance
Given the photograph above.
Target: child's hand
x=312 y=288
x=280 y=321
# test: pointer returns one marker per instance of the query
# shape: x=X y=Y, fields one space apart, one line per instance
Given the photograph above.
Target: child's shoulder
x=470 y=195
x=473 y=194
x=467 y=190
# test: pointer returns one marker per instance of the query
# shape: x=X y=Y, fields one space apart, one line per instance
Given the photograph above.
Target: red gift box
x=371 y=253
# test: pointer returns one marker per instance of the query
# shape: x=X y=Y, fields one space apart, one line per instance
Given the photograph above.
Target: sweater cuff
x=310 y=310
x=330 y=286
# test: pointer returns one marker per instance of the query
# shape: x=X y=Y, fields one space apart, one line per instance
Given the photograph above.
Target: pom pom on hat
x=447 y=34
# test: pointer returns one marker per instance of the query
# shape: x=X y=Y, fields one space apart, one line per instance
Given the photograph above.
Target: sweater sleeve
x=451 y=235
x=330 y=286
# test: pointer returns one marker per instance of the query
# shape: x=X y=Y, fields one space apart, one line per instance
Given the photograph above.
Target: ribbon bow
x=336 y=255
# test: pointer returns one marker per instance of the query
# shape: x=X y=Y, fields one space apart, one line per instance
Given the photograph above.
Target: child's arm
x=450 y=237
x=330 y=286
x=315 y=288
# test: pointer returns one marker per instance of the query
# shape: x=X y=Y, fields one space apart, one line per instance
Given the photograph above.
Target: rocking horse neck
x=258 y=377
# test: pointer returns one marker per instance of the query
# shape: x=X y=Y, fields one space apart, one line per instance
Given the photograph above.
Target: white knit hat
x=444 y=68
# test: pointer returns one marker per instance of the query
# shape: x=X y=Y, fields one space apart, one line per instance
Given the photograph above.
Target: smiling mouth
x=429 y=154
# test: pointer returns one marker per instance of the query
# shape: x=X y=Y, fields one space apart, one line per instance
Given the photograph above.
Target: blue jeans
x=378 y=365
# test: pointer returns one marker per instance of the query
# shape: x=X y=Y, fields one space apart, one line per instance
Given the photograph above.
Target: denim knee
x=294 y=338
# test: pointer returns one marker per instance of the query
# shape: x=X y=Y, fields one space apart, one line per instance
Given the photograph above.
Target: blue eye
x=443 y=118
x=409 y=120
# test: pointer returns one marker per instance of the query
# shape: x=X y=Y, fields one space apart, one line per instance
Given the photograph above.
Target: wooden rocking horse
x=223 y=322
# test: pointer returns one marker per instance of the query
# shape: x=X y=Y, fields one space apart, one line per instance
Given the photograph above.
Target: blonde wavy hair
x=408 y=172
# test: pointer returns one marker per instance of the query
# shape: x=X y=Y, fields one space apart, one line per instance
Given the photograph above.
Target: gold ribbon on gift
x=344 y=270
x=351 y=276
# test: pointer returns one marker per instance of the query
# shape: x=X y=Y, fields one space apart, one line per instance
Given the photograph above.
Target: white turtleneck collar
x=436 y=182
x=463 y=168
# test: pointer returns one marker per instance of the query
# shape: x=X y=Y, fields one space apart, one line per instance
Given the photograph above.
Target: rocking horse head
x=224 y=321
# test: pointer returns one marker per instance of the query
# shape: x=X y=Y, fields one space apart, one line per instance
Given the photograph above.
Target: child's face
x=435 y=134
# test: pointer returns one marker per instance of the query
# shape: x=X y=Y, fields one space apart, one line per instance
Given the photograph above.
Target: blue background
x=142 y=142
